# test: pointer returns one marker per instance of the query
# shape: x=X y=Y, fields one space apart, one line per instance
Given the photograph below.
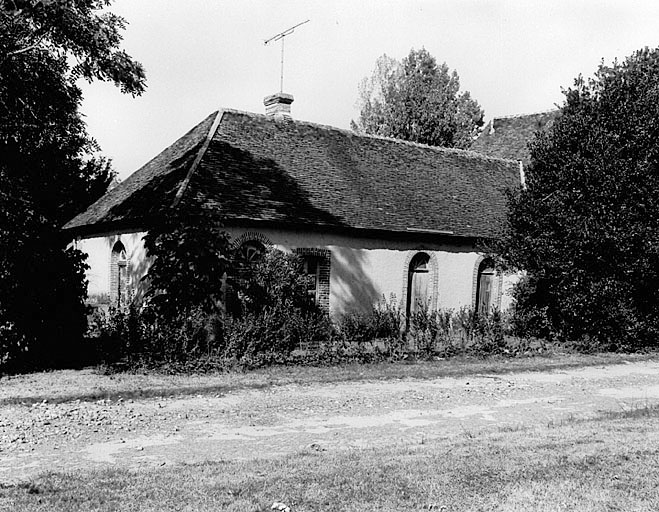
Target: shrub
x=272 y=313
x=274 y=281
x=271 y=336
x=377 y=330
x=190 y=255
x=585 y=225
x=529 y=316
x=489 y=333
x=133 y=337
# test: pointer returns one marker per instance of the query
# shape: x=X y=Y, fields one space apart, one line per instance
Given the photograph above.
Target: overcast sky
x=514 y=56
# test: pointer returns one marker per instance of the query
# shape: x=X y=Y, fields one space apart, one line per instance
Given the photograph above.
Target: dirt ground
x=147 y=432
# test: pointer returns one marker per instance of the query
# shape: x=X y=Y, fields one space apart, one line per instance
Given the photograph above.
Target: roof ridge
x=527 y=114
x=439 y=149
x=209 y=136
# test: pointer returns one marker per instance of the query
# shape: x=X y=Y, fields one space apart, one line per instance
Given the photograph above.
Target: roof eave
x=105 y=228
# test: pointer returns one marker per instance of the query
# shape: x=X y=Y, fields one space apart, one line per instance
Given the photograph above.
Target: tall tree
x=417 y=100
x=586 y=228
x=47 y=172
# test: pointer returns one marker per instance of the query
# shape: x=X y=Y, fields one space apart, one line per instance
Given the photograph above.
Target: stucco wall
x=99 y=250
x=363 y=270
x=366 y=269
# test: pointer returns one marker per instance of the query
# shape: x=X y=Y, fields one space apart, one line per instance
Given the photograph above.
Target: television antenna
x=281 y=36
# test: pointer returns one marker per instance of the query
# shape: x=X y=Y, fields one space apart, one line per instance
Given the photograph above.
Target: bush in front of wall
x=376 y=331
x=133 y=338
x=273 y=314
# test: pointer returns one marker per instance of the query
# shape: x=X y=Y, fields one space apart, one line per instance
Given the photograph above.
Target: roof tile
x=263 y=169
x=508 y=137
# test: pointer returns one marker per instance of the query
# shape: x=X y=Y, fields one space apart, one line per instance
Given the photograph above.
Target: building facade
x=371 y=217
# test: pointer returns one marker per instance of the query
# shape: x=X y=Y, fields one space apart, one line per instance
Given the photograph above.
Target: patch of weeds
x=512 y=428
x=42 y=488
x=645 y=410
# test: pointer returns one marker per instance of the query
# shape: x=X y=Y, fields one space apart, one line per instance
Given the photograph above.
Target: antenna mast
x=281 y=36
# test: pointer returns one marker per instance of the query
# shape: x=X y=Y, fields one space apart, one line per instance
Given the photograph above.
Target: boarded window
x=418 y=283
x=485 y=288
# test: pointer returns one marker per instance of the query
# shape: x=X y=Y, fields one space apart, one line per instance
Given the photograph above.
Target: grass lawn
x=608 y=463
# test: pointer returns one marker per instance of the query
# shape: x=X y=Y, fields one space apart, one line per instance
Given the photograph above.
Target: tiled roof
x=259 y=169
x=508 y=137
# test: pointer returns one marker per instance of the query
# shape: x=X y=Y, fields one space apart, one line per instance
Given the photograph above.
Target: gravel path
x=61 y=434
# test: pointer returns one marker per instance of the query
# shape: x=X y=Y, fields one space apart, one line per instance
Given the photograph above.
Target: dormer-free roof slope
x=266 y=171
x=508 y=137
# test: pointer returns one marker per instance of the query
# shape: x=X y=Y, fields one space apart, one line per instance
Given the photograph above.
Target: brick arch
x=474 y=286
x=249 y=236
x=434 y=277
x=119 y=272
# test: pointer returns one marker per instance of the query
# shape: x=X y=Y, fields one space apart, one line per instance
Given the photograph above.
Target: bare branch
x=26 y=49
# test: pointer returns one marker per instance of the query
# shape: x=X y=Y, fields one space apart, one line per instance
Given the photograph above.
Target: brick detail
x=279 y=103
x=434 y=278
x=119 y=272
x=249 y=236
x=474 y=285
x=324 y=272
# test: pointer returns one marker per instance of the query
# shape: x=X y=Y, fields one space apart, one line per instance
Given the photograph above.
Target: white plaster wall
x=363 y=270
x=98 y=259
x=361 y=277
x=99 y=249
x=456 y=279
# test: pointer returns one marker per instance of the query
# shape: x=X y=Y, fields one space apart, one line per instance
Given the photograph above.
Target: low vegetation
x=274 y=332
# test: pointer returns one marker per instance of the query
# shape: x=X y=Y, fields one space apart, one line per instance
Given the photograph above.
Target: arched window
x=486 y=287
x=418 y=283
x=118 y=276
x=251 y=251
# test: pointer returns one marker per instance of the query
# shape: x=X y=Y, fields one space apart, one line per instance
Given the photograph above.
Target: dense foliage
x=275 y=314
x=47 y=173
x=417 y=100
x=586 y=227
x=270 y=312
x=190 y=257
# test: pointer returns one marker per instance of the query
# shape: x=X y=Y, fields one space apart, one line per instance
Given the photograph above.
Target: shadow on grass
x=133 y=394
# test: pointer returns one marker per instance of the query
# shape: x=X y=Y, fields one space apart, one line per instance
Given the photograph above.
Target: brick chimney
x=278 y=104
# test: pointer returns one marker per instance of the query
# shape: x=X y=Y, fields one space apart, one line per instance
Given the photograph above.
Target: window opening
x=252 y=251
x=119 y=286
x=418 y=283
x=485 y=284
x=311 y=269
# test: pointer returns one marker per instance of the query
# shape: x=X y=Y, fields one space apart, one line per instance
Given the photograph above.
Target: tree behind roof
x=587 y=226
x=417 y=100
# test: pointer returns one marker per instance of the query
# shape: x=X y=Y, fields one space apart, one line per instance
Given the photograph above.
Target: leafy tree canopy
x=586 y=227
x=47 y=172
x=417 y=100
